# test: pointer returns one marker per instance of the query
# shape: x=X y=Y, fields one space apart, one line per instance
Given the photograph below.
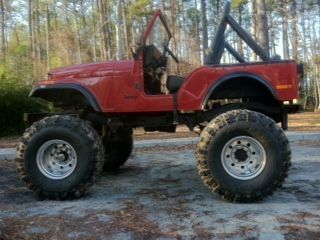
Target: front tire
x=60 y=157
x=243 y=156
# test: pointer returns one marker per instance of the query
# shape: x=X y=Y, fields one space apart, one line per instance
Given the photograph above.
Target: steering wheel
x=166 y=49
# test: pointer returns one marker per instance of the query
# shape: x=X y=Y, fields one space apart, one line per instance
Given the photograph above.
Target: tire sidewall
x=83 y=165
x=260 y=133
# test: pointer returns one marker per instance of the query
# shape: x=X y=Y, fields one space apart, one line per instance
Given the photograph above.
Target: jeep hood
x=83 y=71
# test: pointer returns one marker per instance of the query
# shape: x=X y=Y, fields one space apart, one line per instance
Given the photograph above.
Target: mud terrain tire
x=243 y=156
x=60 y=157
x=118 y=148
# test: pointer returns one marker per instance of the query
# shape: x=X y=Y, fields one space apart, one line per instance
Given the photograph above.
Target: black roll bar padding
x=219 y=44
x=234 y=53
x=248 y=39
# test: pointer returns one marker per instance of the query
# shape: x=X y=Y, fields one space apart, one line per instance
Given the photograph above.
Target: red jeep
x=242 y=154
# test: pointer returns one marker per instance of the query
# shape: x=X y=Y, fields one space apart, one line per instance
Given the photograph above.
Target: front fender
x=65 y=93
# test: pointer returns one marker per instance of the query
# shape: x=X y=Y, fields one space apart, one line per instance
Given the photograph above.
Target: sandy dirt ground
x=307 y=121
x=158 y=195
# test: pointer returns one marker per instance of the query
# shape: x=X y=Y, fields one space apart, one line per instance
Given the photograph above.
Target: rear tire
x=118 y=148
x=60 y=157
x=243 y=156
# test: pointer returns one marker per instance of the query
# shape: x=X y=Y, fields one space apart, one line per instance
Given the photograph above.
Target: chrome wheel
x=56 y=159
x=243 y=157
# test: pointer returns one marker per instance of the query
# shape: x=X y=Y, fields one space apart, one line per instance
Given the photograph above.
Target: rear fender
x=234 y=77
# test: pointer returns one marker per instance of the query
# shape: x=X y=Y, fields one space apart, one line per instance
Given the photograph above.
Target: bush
x=14 y=101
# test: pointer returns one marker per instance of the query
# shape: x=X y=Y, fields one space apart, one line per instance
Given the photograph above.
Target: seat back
x=174 y=83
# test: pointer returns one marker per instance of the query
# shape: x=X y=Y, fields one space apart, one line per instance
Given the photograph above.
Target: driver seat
x=174 y=83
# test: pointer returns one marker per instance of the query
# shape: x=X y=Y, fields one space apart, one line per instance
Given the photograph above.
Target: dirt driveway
x=158 y=195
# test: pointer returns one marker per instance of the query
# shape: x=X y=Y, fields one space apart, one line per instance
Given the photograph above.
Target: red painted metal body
x=118 y=86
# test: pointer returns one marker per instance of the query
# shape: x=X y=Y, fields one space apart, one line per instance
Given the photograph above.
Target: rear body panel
x=280 y=77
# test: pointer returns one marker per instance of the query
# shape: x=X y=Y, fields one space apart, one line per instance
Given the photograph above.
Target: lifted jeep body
x=242 y=154
x=119 y=87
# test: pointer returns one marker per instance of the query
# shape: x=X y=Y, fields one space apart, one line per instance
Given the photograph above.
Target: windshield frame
x=156 y=15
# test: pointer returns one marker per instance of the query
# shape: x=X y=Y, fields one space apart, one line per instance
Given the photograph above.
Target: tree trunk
x=285 y=38
x=85 y=32
x=262 y=25
x=34 y=32
x=31 y=35
x=47 y=35
x=3 y=30
x=204 y=21
x=173 y=27
x=127 y=28
x=273 y=30
x=217 y=10
x=37 y=34
x=254 y=25
x=294 y=23
x=308 y=84
x=119 y=32
x=239 y=42
x=319 y=17
x=83 y=13
x=94 y=32
x=55 y=14
x=104 y=30
x=180 y=24
x=318 y=85
x=76 y=22
x=101 y=31
x=197 y=36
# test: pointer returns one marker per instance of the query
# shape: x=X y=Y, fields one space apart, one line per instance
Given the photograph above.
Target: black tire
x=118 y=148
x=234 y=184
x=61 y=140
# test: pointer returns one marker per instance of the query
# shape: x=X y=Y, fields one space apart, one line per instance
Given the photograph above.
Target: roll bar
x=219 y=43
